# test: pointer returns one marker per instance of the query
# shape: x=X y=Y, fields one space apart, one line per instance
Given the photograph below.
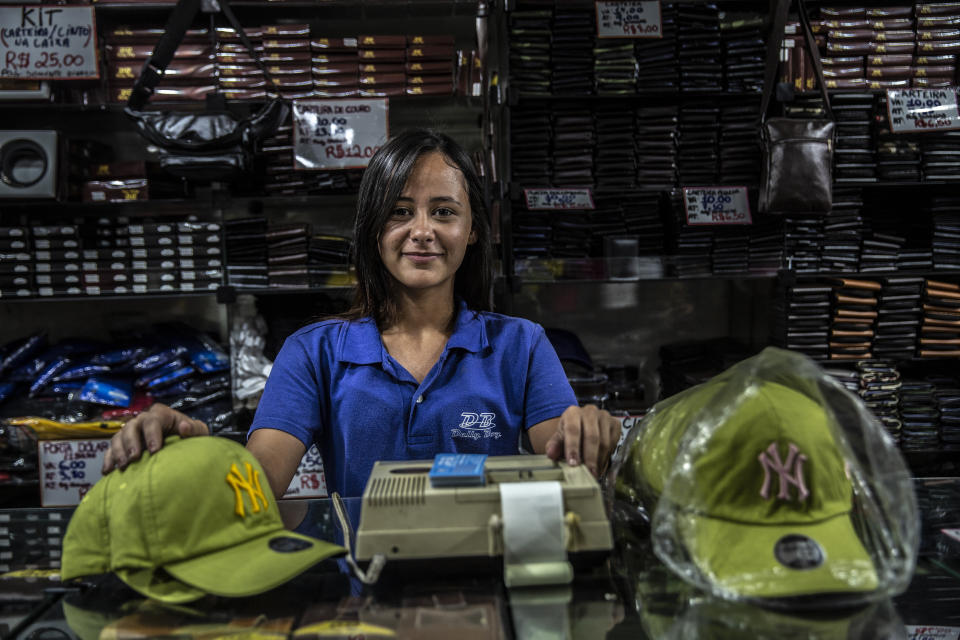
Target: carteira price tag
x=932 y=632
x=308 y=481
x=717 y=205
x=558 y=198
x=68 y=469
x=337 y=134
x=629 y=19
x=42 y=42
x=918 y=110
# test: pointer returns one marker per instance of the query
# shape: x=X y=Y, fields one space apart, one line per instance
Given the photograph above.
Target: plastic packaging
x=80 y=371
x=47 y=374
x=250 y=366
x=117 y=357
x=158 y=358
x=169 y=377
x=143 y=380
x=116 y=393
x=30 y=369
x=6 y=390
x=771 y=483
x=21 y=350
x=46 y=429
x=208 y=361
x=140 y=403
x=66 y=387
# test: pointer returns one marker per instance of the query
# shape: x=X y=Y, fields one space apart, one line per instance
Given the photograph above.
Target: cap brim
x=254 y=566
x=739 y=558
x=159 y=585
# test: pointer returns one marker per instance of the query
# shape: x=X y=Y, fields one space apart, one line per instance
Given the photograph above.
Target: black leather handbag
x=201 y=146
x=796 y=174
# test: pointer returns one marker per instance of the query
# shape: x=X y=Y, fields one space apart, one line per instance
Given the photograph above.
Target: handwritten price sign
x=629 y=19
x=68 y=469
x=932 y=632
x=308 y=481
x=917 y=110
x=716 y=205
x=558 y=199
x=48 y=43
x=337 y=134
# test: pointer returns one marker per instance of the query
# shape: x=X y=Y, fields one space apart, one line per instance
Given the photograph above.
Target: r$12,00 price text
x=339 y=151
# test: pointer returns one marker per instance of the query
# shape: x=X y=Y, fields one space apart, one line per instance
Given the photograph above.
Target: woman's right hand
x=148 y=430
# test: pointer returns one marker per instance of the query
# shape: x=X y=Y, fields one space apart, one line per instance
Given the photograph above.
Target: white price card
x=308 y=481
x=629 y=19
x=68 y=469
x=558 y=199
x=932 y=632
x=44 y=42
x=338 y=134
x=716 y=205
x=918 y=110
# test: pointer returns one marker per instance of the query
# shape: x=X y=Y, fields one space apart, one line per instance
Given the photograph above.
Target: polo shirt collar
x=360 y=343
x=470 y=332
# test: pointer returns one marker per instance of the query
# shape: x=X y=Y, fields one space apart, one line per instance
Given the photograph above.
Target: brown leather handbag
x=796 y=175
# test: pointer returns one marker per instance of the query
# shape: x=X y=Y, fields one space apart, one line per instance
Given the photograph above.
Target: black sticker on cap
x=286 y=544
x=799 y=552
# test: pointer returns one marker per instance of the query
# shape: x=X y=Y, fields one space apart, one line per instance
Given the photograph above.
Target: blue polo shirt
x=333 y=383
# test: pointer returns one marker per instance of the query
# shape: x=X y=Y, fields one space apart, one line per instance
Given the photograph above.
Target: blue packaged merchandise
x=48 y=374
x=169 y=378
x=80 y=371
x=458 y=470
x=6 y=390
x=116 y=357
x=21 y=350
x=170 y=367
x=209 y=361
x=158 y=359
x=116 y=393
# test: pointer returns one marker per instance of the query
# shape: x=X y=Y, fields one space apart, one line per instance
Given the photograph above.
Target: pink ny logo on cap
x=788 y=473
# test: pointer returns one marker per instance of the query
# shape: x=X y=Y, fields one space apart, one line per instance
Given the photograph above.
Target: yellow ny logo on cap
x=250 y=484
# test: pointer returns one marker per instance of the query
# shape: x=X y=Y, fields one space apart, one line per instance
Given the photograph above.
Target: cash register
x=517 y=509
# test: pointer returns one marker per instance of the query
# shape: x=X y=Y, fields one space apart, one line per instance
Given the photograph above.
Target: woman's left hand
x=585 y=435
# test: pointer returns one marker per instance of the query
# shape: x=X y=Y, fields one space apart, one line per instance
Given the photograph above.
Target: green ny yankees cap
x=757 y=492
x=197 y=517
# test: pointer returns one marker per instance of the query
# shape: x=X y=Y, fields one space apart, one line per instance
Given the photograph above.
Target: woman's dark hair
x=382 y=184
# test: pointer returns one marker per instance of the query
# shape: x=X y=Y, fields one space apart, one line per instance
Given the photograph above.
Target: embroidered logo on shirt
x=474 y=426
x=250 y=484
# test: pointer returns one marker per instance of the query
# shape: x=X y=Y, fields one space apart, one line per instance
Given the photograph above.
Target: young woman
x=419 y=365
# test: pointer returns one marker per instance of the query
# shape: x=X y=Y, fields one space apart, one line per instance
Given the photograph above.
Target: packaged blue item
x=19 y=351
x=117 y=357
x=81 y=371
x=185 y=403
x=6 y=390
x=116 y=393
x=46 y=376
x=63 y=388
x=169 y=378
x=162 y=371
x=200 y=386
x=176 y=389
x=158 y=359
x=210 y=361
x=30 y=369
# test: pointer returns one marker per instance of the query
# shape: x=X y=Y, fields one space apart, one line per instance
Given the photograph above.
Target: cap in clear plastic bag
x=772 y=482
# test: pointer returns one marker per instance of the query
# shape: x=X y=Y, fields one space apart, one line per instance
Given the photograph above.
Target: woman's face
x=426 y=236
